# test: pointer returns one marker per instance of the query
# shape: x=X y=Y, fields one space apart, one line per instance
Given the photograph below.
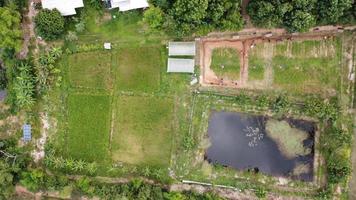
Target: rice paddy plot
x=138 y=69
x=143 y=131
x=88 y=127
x=90 y=70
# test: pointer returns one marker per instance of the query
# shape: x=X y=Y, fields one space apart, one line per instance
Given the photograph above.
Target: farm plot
x=139 y=69
x=90 y=70
x=225 y=63
x=143 y=130
x=88 y=127
x=297 y=66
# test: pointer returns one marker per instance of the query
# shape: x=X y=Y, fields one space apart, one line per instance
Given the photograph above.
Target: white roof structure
x=65 y=7
x=125 y=5
x=180 y=65
x=181 y=49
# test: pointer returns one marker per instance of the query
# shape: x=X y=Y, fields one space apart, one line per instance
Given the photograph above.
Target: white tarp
x=125 y=5
x=181 y=49
x=65 y=7
x=180 y=65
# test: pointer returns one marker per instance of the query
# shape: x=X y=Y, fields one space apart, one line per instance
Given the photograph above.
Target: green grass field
x=225 y=62
x=298 y=67
x=308 y=66
x=256 y=68
x=90 y=70
x=139 y=69
x=143 y=130
x=89 y=127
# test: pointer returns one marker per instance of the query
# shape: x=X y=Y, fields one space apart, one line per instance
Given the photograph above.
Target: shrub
x=49 y=24
x=154 y=18
x=32 y=180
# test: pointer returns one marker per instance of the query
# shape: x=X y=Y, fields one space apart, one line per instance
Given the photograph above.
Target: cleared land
x=143 y=130
x=225 y=63
x=90 y=70
x=89 y=127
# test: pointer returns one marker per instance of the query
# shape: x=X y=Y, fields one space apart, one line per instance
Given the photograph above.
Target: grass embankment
x=225 y=62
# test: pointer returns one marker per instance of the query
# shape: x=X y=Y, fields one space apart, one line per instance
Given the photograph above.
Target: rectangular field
x=297 y=66
x=88 y=127
x=225 y=63
x=138 y=69
x=90 y=70
x=143 y=131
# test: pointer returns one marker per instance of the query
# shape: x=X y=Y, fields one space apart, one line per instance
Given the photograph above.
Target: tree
x=188 y=15
x=49 y=24
x=299 y=21
x=10 y=34
x=263 y=13
x=330 y=11
x=154 y=17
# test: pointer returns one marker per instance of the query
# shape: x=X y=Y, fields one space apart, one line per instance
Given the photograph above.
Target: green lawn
x=225 y=62
x=89 y=127
x=143 y=131
x=90 y=70
x=139 y=69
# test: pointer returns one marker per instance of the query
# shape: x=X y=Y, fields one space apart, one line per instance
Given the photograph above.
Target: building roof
x=125 y=5
x=181 y=49
x=26 y=129
x=65 y=7
x=180 y=65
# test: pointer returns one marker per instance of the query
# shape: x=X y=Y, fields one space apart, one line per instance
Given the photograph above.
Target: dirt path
x=28 y=26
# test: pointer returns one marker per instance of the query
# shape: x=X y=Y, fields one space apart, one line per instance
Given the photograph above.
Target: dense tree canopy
x=299 y=15
x=184 y=17
x=10 y=34
x=49 y=24
x=330 y=11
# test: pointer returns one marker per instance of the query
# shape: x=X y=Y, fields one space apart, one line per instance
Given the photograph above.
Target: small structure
x=180 y=65
x=107 y=45
x=65 y=7
x=181 y=49
x=26 y=129
x=125 y=5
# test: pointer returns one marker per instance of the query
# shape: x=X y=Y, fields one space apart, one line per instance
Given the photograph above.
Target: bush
x=49 y=24
x=154 y=18
x=32 y=180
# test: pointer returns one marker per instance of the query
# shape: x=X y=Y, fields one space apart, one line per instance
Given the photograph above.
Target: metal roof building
x=65 y=7
x=26 y=129
x=180 y=65
x=125 y=5
x=181 y=49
